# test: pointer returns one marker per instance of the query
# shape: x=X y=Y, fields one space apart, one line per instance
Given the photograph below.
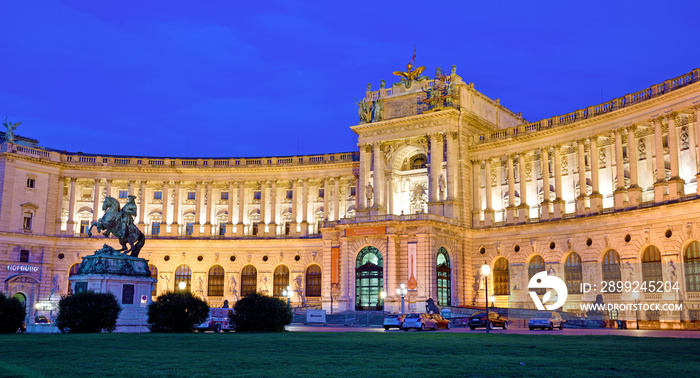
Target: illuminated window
x=369 y=279
x=651 y=265
x=535 y=266
x=183 y=274
x=501 y=278
x=222 y=229
x=611 y=269
x=573 y=273
x=280 y=280
x=444 y=278
x=84 y=226
x=155 y=228
x=215 y=285
x=154 y=274
x=189 y=228
x=313 y=281
x=249 y=280
x=691 y=258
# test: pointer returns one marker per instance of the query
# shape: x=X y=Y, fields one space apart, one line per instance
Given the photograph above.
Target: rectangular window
x=224 y=196
x=286 y=228
x=24 y=256
x=123 y=193
x=352 y=191
x=84 y=226
x=128 y=294
x=27 y=222
x=222 y=229
x=290 y=194
x=157 y=195
x=155 y=228
x=190 y=195
x=189 y=229
x=256 y=195
x=320 y=193
x=30 y=183
x=255 y=229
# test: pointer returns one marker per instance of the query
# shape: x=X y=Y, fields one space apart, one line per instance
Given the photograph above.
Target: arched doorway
x=444 y=278
x=369 y=280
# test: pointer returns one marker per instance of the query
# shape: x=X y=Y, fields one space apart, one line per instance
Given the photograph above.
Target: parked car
x=393 y=321
x=218 y=320
x=421 y=322
x=547 y=320
x=495 y=320
x=441 y=322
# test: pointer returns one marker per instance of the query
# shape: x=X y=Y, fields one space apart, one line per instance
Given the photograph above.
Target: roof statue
x=411 y=75
x=120 y=223
x=10 y=133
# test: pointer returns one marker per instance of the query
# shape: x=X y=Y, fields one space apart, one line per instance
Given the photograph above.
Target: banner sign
x=412 y=282
x=335 y=268
x=362 y=231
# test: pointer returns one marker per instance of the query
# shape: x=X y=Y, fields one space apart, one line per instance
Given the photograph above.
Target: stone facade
x=436 y=190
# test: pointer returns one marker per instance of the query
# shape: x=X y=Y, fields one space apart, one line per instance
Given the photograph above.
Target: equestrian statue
x=120 y=223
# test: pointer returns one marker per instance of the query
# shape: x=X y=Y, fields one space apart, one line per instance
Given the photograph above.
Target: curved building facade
x=445 y=181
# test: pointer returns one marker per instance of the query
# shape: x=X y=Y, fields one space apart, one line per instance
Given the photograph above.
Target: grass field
x=344 y=354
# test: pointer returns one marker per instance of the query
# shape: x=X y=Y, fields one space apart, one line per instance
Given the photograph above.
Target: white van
x=218 y=321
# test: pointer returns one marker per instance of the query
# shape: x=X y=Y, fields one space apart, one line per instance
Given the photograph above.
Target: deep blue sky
x=252 y=78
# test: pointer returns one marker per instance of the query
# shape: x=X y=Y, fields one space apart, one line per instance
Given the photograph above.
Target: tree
x=260 y=313
x=12 y=314
x=88 y=312
x=177 y=312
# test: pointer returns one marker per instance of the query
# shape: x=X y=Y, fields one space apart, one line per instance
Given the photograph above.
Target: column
x=676 y=183
x=131 y=187
x=660 y=185
x=634 y=192
x=488 y=212
x=336 y=198
x=263 y=208
x=295 y=200
x=305 y=208
x=272 y=227
x=240 y=227
x=70 y=226
x=197 y=209
x=95 y=201
x=558 y=204
x=582 y=194
x=596 y=197
x=379 y=205
x=208 y=228
x=326 y=194
x=510 y=210
x=524 y=208
x=546 y=200
x=697 y=141
x=142 y=204
x=108 y=188
x=164 y=209
x=363 y=179
x=476 y=204
x=175 y=227
x=451 y=205
x=436 y=158
x=229 y=222
x=619 y=192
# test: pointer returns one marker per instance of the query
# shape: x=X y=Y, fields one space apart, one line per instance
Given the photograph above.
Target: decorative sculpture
x=411 y=75
x=369 y=191
x=120 y=223
x=377 y=111
x=364 y=112
x=10 y=132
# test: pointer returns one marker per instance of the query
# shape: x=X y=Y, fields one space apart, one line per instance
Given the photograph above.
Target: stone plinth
x=127 y=277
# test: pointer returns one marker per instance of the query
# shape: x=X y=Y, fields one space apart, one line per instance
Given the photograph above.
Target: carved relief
x=601 y=158
x=642 y=149
x=685 y=141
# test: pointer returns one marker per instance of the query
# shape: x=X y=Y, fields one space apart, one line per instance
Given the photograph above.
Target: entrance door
x=369 y=280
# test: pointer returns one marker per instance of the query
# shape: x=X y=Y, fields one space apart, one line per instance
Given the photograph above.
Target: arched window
x=154 y=274
x=73 y=271
x=444 y=278
x=535 y=266
x=215 y=284
x=249 y=280
x=611 y=269
x=313 y=281
x=183 y=274
x=280 y=280
x=573 y=273
x=651 y=265
x=369 y=279
x=501 y=281
x=691 y=258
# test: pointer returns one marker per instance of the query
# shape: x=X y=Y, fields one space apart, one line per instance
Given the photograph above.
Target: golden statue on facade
x=410 y=75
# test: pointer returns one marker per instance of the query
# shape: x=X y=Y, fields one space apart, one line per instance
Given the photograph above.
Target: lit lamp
x=635 y=296
x=287 y=293
x=382 y=295
x=486 y=270
x=182 y=285
x=493 y=301
x=402 y=291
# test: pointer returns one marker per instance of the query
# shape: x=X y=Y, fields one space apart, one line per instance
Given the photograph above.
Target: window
x=191 y=195
x=286 y=228
x=31 y=182
x=290 y=194
x=24 y=256
x=128 y=294
x=249 y=280
x=444 y=278
x=155 y=228
x=501 y=277
x=611 y=269
x=313 y=281
x=256 y=194
x=224 y=196
x=189 y=229
x=691 y=258
x=222 y=229
x=154 y=274
x=183 y=274
x=27 y=222
x=84 y=226
x=255 y=229
x=369 y=279
x=536 y=265
x=123 y=193
x=280 y=280
x=157 y=195
x=321 y=193
x=573 y=273
x=215 y=286
x=71 y=272
x=352 y=191
x=651 y=265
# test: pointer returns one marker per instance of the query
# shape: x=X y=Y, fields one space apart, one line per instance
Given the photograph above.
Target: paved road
x=511 y=330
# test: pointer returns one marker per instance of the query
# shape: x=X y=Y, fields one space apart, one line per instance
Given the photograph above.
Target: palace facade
x=445 y=180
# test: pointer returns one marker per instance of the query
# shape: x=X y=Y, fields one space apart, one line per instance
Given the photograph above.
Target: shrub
x=12 y=314
x=88 y=312
x=177 y=312
x=260 y=313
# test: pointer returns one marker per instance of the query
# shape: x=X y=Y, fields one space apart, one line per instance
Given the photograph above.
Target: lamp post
x=288 y=293
x=635 y=296
x=402 y=291
x=382 y=295
x=486 y=270
x=182 y=285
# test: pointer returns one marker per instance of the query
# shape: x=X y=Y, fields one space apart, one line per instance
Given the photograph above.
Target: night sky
x=253 y=78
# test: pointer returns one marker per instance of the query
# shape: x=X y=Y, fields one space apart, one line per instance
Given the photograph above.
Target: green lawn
x=345 y=354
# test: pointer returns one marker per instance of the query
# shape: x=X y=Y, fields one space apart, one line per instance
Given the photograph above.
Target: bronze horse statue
x=120 y=223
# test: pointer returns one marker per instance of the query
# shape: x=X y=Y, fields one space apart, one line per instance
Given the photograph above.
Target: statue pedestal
x=127 y=277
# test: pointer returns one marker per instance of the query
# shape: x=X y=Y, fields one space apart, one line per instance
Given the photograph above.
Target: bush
x=177 y=312
x=88 y=312
x=12 y=314
x=260 y=313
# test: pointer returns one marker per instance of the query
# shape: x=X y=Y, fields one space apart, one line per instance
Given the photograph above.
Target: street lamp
x=182 y=285
x=635 y=296
x=402 y=291
x=493 y=301
x=382 y=295
x=287 y=293
x=486 y=270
